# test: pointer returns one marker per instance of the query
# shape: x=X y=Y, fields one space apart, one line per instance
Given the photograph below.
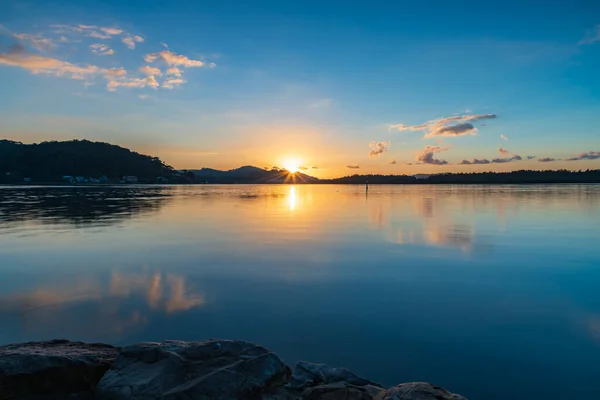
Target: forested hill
x=50 y=161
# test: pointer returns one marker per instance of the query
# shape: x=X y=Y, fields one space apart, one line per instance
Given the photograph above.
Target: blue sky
x=229 y=83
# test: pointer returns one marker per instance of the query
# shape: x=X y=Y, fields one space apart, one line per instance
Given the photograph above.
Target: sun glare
x=292 y=165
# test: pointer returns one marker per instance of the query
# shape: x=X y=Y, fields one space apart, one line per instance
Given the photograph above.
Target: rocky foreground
x=176 y=370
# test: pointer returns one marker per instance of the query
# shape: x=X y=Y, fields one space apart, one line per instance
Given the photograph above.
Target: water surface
x=490 y=291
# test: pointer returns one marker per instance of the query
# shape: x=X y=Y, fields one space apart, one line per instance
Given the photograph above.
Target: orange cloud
x=173 y=59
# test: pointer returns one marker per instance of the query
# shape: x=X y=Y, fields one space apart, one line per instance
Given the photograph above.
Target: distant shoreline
x=71 y=185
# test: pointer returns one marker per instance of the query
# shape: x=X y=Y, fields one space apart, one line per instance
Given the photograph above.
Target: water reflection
x=78 y=206
x=292 y=198
x=110 y=304
x=456 y=274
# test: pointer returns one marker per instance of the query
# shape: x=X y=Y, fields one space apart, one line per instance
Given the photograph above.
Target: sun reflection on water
x=292 y=198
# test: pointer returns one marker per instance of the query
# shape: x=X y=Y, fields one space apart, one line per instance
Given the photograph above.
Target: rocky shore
x=177 y=370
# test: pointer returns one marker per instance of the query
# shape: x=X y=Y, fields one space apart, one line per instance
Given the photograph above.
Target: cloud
x=173 y=59
x=98 y=35
x=531 y=157
x=172 y=83
x=393 y=162
x=592 y=36
x=99 y=32
x=147 y=70
x=503 y=152
x=175 y=72
x=131 y=40
x=590 y=155
x=546 y=159
x=112 y=31
x=475 y=162
x=143 y=96
x=314 y=167
x=503 y=137
x=26 y=54
x=37 y=41
x=101 y=49
x=36 y=64
x=355 y=166
x=303 y=168
x=378 y=148
x=115 y=71
x=150 y=81
x=515 y=157
x=458 y=125
x=427 y=155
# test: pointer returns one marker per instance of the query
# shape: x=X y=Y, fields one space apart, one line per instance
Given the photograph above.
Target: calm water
x=490 y=291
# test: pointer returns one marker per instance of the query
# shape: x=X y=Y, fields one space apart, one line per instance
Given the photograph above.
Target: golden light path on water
x=292 y=198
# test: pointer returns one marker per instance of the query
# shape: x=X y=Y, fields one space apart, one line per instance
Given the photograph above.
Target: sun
x=291 y=164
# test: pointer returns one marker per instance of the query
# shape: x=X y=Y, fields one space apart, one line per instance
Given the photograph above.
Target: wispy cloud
x=355 y=166
x=503 y=137
x=393 y=162
x=175 y=72
x=475 y=161
x=115 y=71
x=302 y=168
x=458 y=125
x=101 y=49
x=148 y=70
x=173 y=59
x=172 y=83
x=591 y=36
x=503 y=152
x=36 y=64
x=378 y=148
x=150 y=81
x=37 y=41
x=546 y=159
x=28 y=53
x=515 y=157
x=130 y=41
x=98 y=32
x=427 y=156
x=111 y=31
x=531 y=157
x=590 y=155
x=314 y=167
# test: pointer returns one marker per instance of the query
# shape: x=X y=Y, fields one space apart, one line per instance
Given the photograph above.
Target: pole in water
x=366 y=186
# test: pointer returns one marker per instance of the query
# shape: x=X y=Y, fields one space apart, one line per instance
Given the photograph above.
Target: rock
x=342 y=391
x=52 y=369
x=174 y=370
x=308 y=375
x=419 y=391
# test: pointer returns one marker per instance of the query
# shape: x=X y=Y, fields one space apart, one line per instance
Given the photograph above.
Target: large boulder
x=308 y=375
x=419 y=391
x=342 y=391
x=175 y=370
x=52 y=369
